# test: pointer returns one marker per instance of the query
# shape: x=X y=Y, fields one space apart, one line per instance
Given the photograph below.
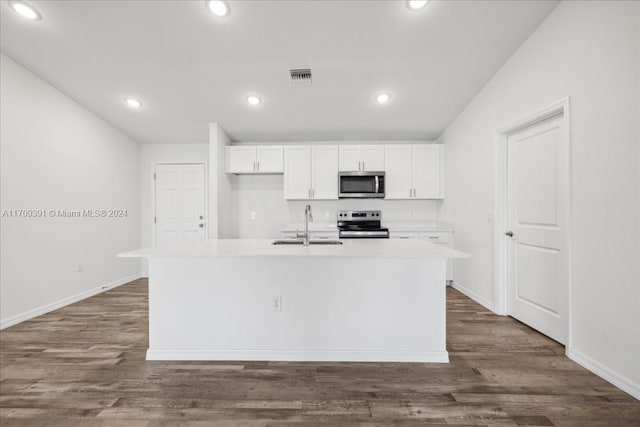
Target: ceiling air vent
x=300 y=76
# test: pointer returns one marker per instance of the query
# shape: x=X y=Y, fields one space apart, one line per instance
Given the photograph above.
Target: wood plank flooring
x=83 y=365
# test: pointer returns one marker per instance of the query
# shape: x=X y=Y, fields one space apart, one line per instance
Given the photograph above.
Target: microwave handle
x=377 y=184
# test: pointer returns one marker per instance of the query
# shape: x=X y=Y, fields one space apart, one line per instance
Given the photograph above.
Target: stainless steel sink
x=312 y=242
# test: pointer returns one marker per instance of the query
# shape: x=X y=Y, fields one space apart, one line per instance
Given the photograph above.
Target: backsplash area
x=260 y=211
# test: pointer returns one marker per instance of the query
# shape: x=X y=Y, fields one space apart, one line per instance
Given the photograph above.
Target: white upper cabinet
x=324 y=172
x=240 y=159
x=372 y=157
x=254 y=159
x=414 y=171
x=398 y=177
x=297 y=172
x=427 y=171
x=269 y=159
x=311 y=172
x=349 y=156
x=360 y=157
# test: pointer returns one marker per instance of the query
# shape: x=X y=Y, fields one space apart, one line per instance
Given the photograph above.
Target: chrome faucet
x=308 y=216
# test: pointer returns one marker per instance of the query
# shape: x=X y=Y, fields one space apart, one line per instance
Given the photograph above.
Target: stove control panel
x=359 y=216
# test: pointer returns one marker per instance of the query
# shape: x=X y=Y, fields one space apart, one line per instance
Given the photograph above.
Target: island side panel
x=333 y=309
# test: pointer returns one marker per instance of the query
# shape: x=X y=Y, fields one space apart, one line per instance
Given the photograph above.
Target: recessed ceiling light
x=383 y=98
x=133 y=103
x=416 y=4
x=253 y=100
x=25 y=10
x=218 y=7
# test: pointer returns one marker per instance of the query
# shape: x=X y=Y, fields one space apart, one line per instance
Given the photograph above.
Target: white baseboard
x=623 y=383
x=474 y=296
x=18 y=318
x=301 y=355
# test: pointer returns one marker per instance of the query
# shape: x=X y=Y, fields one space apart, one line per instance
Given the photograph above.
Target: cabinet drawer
x=323 y=235
x=404 y=235
x=435 y=237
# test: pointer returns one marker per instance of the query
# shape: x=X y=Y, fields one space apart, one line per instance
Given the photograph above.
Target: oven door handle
x=377 y=184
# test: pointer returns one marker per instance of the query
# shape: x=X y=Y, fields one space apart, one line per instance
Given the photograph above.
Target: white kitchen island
x=364 y=300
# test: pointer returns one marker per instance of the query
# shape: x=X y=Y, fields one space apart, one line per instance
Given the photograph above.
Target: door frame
x=501 y=254
x=153 y=197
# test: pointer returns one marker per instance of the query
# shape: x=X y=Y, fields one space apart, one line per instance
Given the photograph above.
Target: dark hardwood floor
x=83 y=365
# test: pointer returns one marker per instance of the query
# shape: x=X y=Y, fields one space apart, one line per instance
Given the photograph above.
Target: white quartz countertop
x=368 y=248
x=419 y=226
x=392 y=226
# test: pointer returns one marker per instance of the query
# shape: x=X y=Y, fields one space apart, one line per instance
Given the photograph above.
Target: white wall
x=263 y=195
x=55 y=154
x=151 y=155
x=589 y=51
x=220 y=209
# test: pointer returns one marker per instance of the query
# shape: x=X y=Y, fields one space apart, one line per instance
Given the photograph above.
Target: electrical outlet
x=276 y=303
x=489 y=217
x=79 y=267
x=253 y=215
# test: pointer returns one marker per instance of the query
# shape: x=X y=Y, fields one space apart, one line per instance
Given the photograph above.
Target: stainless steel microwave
x=361 y=185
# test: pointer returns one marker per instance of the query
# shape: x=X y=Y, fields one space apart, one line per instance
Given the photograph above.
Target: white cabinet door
x=297 y=172
x=241 y=159
x=398 y=183
x=324 y=172
x=372 y=157
x=269 y=159
x=444 y=239
x=349 y=156
x=426 y=171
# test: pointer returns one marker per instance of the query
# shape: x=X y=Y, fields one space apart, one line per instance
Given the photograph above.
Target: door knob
x=509 y=233
x=201 y=225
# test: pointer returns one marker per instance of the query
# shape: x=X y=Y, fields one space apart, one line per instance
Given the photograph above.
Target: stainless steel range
x=361 y=225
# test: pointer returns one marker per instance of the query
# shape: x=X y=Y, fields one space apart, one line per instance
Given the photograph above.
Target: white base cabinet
x=444 y=238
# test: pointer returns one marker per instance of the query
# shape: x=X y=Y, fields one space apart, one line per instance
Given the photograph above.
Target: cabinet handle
x=254 y=166
x=257 y=166
x=363 y=167
x=313 y=193
x=410 y=193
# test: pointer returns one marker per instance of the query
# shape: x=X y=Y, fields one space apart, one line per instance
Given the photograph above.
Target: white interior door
x=180 y=203
x=538 y=265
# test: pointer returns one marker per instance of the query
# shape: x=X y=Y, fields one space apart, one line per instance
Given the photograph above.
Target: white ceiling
x=190 y=68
